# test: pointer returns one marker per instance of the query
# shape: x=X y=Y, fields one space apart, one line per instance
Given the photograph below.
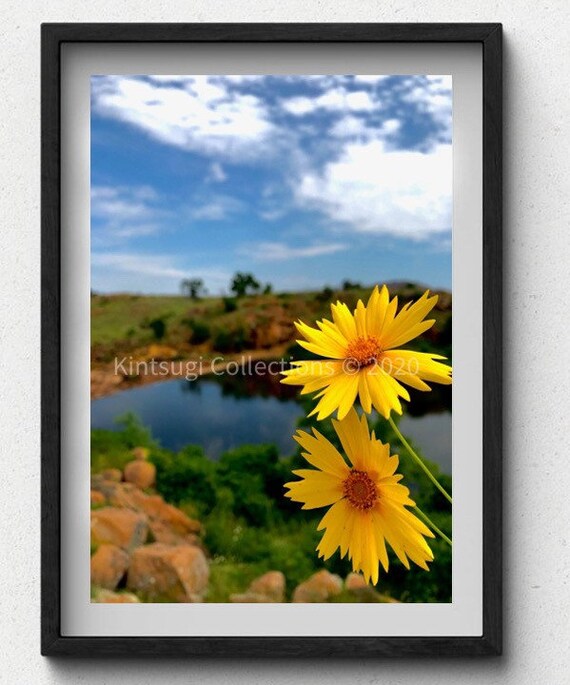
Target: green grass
x=123 y=324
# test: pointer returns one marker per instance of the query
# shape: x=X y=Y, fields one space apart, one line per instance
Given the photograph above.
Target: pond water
x=220 y=413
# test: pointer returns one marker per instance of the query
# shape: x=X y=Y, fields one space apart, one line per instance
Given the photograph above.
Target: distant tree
x=241 y=282
x=268 y=289
x=325 y=295
x=192 y=287
x=349 y=285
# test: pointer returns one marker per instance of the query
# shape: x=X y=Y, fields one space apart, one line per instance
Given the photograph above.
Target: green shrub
x=112 y=449
x=230 y=304
x=251 y=528
x=225 y=340
x=158 y=327
x=325 y=295
x=200 y=332
x=185 y=476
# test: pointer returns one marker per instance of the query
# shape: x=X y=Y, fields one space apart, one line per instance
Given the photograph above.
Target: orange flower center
x=363 y=352
x=360 y=490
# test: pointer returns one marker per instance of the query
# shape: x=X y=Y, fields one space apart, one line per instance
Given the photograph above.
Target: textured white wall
x=537 y=623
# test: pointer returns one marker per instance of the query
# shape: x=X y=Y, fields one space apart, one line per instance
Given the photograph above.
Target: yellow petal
x=335 y=521
x=376 y=311
x=344 y=320
x=322 y=454
x=360 y=319
x=354 y=437
x=340 y=394
x=379 y=537
x=364 y=392
x=316 y=489
x=402 y=364
x=320 y=342
x=409 y=322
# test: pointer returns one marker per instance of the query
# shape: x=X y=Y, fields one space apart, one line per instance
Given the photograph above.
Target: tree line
x=242 y=284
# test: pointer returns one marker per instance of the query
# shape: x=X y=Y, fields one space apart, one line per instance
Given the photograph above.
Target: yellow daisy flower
x=367 y=502
x=362 y=356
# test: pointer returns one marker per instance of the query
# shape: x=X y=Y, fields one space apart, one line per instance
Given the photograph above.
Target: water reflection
x=225 y=411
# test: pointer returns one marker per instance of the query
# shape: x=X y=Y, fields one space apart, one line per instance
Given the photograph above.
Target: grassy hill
x=173 y=327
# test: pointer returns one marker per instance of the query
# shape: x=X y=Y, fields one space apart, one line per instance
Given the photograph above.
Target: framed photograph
x=261 y=435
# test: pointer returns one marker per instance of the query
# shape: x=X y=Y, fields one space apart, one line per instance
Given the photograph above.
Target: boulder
x=97 y=498
x=140 y=453
x=106 y=487
x=169 y=573
x=363 y=592
x=270 y=587
x=355 y=582
x=162 y=532
x=320 y=587
x=108 y=565
x=168 y=524
x=115 y=475
x=120 y=527
x=270 y=584
x=122 y=495
x=103 y=596
x=140 y=473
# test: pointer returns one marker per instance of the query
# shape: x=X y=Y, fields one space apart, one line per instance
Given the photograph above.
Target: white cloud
x=335 y=100
x=355 y=127
x=160 y=266
x=404 y=193
x=433 y=96
x=121 y=202
x=272 y=214
x=130 y=269
x=216 y=209
x=369 y=79
x=217 y=173
x=244 y=78
x=272 y=252
x=198 y=113
x=122 y=212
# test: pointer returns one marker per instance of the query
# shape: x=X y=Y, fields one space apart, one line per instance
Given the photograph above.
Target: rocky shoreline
x=108 y=379
x=144 y=549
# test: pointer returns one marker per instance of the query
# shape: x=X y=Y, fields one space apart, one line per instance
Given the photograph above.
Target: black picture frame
x=53 y=643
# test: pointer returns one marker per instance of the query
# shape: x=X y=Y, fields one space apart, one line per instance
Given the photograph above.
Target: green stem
x=418 y=460
x=432 y=525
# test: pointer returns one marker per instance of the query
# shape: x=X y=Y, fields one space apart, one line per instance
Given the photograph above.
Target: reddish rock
x=108 y=565
x=169 y=517
x=271 y=584
x=140 y=453
x=167 y=523
x=162 y=532
x=97 y=498
x=123 y=495
x=320 y=587
x=167 y=573
x=115 y=475
x=106 y=487
x=108 y=597
x=355 y=582
x=361 y=590
x=250 y=598
x=270 y=587
x=119 y=527
x=140 y=473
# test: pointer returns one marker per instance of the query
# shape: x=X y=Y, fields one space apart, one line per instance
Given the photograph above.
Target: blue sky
x=302 y=180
